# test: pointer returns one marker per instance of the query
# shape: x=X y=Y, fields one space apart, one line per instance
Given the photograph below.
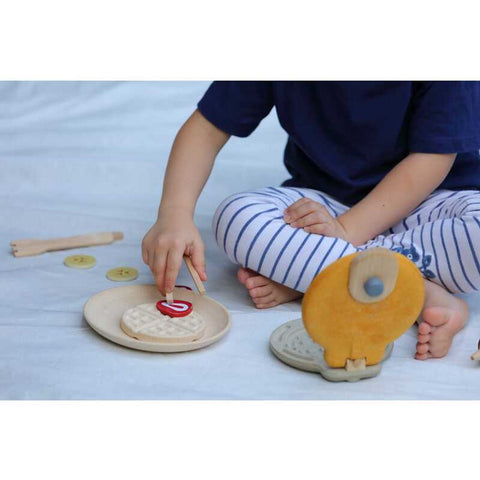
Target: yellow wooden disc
x=80 y=261
x=122 y=274
x=349 y=329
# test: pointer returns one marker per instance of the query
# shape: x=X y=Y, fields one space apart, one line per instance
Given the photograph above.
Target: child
x=391 y=164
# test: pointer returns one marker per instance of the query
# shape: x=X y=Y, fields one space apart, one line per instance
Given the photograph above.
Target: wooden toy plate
x=104 y=310
x=291 y=343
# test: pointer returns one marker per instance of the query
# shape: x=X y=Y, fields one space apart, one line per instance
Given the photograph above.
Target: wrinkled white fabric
x=82 y=157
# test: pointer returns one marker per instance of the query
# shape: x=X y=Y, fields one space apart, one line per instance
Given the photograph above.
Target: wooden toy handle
x=24 y=248
x=373 y=274
x=196 y=279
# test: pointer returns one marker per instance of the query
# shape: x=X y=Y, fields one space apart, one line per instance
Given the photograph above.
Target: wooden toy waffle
x=146 y=322
x=355 y=309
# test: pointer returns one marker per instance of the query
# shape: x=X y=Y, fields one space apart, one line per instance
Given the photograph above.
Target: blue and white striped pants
x=441 y=236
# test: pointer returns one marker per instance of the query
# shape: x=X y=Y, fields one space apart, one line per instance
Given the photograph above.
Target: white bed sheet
x=80 y=157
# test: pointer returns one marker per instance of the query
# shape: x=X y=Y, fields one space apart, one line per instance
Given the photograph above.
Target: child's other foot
x=443 y=316
x=264 y=292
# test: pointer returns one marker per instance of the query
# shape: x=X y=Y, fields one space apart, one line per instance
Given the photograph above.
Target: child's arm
x=406 y=186
x=174 y=233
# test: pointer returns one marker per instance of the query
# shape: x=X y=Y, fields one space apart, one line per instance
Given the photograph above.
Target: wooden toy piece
x=80 y=261
x=476 y=355
x=355 y=365
x=145 y=322
x=352 y=329
x=104 y=311
x=178 y=308
x=196 y=279
x=291 y=343
x=122 y=274
x=373 y=275
x=24 y=248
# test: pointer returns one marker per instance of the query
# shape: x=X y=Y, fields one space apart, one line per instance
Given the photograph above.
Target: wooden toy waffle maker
x=351 y=314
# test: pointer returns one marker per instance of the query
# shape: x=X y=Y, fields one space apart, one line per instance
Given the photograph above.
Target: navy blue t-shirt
x=344 y=137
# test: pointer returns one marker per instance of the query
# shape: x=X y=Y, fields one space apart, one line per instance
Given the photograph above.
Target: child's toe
x=422 y=356
x=259 y=292
x=244 y=273
x=424 y=328
x=267 y=305
x=270 y=297
x=423 y=348
x=423 y=338
x=257 y=281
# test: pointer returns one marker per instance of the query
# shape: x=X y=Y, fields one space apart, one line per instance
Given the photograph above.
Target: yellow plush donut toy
x=361 y=303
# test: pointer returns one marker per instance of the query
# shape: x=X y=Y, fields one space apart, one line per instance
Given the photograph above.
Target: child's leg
x=250 y=228
x=440 y=237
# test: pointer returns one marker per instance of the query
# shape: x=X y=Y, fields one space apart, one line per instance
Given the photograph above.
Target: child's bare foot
x=264 y=292
x=443 y=316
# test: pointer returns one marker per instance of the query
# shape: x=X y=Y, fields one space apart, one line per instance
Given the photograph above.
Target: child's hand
x=313 y=217
x=172 y=236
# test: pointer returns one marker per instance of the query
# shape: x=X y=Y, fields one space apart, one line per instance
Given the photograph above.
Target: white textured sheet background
x=80 y=157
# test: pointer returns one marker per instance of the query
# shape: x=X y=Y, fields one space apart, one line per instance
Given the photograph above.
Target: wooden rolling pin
x=25 y=248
